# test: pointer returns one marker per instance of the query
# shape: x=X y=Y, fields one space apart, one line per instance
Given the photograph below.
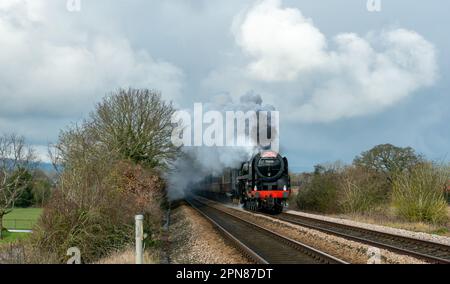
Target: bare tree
x=15 y=160
x=136 y=124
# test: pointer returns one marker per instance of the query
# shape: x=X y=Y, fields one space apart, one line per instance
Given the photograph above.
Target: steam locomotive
x=260 y=184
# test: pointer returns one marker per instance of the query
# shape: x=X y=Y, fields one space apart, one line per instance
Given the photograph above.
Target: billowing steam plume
x=198 y=162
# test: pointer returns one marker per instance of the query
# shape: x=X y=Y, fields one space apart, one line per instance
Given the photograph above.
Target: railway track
x=260 y=244
x=425 y=250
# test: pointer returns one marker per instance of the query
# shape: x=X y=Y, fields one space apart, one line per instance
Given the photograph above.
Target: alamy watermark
x=374 y=255
x=75 y=255
x=73 y=5
x=226 y=128
x=374 y=5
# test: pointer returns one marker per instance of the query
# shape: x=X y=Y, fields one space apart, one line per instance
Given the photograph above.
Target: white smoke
x=198 y=162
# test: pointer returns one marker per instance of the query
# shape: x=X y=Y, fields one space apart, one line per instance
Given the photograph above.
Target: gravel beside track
x=429 y=251
x=193 y=240
x=395 y=231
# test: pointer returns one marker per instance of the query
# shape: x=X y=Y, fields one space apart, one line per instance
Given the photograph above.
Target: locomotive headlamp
x=284 y=188
x=255 y=189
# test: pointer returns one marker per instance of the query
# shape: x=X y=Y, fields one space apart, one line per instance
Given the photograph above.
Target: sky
x=343 y=78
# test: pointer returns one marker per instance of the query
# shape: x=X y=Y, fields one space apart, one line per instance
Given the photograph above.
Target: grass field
x=12 y=237
x=22 y=218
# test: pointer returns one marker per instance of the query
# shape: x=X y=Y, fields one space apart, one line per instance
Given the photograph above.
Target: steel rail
x=428 y=251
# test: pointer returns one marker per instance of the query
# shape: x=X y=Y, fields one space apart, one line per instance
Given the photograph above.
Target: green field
x=12 y=237
x=22 y=218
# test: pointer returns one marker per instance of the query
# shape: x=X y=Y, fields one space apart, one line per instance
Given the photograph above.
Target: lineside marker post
x=139 y=238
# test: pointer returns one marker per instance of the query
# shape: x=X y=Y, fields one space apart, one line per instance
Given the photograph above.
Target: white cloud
x=282 y=41
x=358 y=76
x=41 y=153
x=51 y=71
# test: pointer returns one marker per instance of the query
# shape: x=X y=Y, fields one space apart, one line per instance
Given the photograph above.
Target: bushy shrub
x=340 y=189
x=147 y=190
x=362 y=190
x=109 y=174
x=104 y=222
x=319 y=194
x=418 y=195
x=384 y=176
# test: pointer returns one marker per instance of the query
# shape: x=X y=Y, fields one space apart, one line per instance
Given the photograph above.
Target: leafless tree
x=136 y=124
x=15 y=159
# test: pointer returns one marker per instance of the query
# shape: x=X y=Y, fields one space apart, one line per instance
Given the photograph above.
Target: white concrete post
x=139 y=238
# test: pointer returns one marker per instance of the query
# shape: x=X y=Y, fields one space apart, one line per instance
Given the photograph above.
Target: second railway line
x=422 y=250
x=426 y=250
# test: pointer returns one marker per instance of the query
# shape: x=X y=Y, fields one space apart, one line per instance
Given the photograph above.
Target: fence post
x=139 y=238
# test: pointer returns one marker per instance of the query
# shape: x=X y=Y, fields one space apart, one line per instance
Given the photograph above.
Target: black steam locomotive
x=261 y=184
